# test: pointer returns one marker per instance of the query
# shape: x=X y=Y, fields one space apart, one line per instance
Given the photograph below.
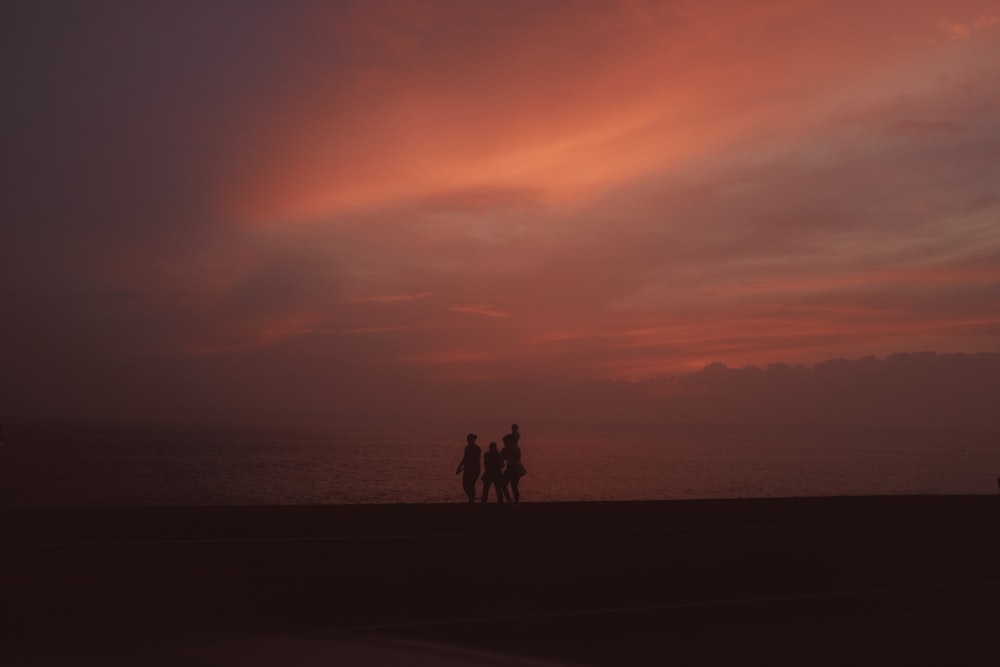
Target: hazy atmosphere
x=301 y=210
x=499 y=332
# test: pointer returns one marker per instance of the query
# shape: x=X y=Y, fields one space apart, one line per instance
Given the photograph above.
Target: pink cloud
x=956 y=30
x=372 y=330
x=965 y=29
x=480 y=309
x=924 y=128
x=988 y=21
x=391 y=298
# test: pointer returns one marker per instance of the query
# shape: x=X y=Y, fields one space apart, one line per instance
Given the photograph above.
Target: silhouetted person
x=515 y=434
x=514 y=471
x=493 y=463
x=470 y=465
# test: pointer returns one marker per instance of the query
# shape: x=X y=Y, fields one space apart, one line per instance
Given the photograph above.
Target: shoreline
x=226 y=520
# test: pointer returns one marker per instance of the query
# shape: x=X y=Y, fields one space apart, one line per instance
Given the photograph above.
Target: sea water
x=52 y=466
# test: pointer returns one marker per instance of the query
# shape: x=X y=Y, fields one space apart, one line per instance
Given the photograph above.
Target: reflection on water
x=61 y=467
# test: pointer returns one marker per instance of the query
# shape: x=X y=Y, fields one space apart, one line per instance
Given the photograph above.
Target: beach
x=794 y=580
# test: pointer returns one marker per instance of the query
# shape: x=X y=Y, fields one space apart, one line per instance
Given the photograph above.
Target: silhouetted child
x=493 y=463
x=470 y=465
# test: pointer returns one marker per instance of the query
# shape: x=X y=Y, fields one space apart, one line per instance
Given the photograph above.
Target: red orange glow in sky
x=476 y=190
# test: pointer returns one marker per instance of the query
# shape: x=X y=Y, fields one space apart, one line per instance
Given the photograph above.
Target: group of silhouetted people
x=502 y=469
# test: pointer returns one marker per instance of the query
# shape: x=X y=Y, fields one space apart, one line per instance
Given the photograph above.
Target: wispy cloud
x=965 y=29
x=480 y=309
x=391 y=298
x=375 y=330
x=924 y=128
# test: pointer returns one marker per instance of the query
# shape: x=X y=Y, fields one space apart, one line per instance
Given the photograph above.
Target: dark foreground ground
x=883 y=580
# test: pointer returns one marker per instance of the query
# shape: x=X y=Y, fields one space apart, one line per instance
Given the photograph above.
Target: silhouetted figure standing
x=515 y=434
x=512 y=474
x=493 y=463
x=470 y=466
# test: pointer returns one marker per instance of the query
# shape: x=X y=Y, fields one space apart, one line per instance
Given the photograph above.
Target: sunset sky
x=260 y=205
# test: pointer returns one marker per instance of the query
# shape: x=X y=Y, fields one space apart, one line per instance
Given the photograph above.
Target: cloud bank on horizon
x=319 y=197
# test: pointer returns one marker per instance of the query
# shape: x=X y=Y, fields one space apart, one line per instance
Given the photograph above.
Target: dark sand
x=880 y=580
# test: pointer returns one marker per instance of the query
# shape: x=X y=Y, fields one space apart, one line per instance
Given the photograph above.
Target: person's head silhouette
x=471 y=438
x=513 y=427
x=493 y=446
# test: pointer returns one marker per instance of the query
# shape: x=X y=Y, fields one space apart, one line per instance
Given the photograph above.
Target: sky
x=244 y=208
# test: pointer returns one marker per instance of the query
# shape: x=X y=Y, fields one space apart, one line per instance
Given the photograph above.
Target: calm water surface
x=91 y=466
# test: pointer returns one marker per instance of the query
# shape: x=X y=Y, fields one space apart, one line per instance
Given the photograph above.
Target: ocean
x=58 y=466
